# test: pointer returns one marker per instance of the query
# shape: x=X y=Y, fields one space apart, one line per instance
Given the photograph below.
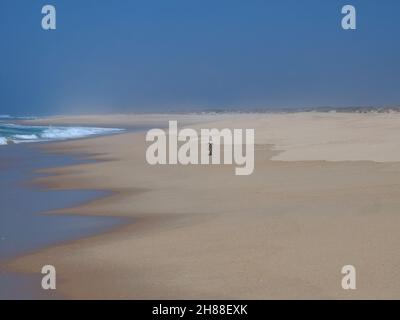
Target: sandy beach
x=325 y=193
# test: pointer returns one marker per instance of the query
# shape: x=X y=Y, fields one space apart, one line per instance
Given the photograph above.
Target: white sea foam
x=25 y=136
x=56 y=133
x=24 y=133
x=3 y=141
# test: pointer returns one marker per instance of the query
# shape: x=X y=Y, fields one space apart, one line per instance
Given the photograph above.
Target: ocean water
x=11 y=133
x=24 y=225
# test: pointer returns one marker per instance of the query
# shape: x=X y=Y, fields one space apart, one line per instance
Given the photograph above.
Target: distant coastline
x=355 y=109
x=197 y=111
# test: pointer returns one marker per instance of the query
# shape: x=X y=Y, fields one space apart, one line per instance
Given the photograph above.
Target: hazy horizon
x=395 y=108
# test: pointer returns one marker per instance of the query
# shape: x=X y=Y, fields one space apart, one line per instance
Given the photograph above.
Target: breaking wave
x=13 y=133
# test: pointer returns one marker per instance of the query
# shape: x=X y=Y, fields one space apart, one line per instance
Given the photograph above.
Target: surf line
x=187 y=147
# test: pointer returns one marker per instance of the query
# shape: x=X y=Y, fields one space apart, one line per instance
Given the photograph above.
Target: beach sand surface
x=325 y=193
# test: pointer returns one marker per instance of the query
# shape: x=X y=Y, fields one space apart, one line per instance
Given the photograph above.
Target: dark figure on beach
x=210 y=148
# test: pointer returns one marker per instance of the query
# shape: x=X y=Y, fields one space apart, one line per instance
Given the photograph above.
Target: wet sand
x=202 y=232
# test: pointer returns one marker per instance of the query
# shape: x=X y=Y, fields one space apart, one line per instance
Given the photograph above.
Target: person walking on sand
x=210 y=148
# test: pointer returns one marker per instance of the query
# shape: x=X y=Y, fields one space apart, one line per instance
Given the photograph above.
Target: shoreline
x=22 y=164
x=283 y=232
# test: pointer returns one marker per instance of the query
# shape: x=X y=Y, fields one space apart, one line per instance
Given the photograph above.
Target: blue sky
x=126 y=56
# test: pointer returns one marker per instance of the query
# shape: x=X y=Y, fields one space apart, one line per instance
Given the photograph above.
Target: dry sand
x=325 y=193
